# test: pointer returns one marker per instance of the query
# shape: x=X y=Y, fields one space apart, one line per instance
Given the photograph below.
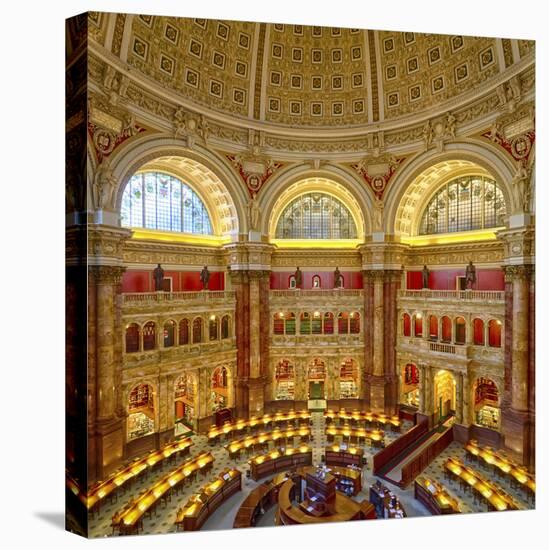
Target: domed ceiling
x=305 y=76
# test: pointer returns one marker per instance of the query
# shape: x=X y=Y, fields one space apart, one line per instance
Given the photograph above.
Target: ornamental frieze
x=377 y=171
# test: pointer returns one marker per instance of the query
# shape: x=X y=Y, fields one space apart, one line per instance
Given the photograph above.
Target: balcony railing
x=144 y=298
x=442 y=348
x=316 y=293
x=471 y=295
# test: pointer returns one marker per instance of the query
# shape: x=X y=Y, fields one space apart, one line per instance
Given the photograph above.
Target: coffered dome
x=306 y=76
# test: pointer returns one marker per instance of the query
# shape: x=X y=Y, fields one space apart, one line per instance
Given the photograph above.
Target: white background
x=32 y=274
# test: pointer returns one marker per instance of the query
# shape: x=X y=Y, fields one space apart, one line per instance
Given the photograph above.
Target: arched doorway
x=220 y=388
x=284 y=381
x=409 y=387
x=487 y=410
x=348 y=379
x=444 y=394
x=316 y=377
x=184 y=399
x=141 y=411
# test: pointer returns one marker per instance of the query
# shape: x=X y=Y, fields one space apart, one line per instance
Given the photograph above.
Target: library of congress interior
x=308 y=277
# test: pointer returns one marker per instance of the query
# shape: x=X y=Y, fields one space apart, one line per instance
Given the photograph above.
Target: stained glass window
x=464 y=204
x=154 y=200
x=316 y=216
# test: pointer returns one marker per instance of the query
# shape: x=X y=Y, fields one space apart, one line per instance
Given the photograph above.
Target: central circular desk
x=341 y=507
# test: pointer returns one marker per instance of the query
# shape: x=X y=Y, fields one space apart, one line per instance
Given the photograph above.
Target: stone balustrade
x=205 y=296
x=462 y=295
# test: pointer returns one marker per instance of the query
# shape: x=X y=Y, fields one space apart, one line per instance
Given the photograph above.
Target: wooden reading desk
x=496 y=498
x=128 y=473
x=435 y=497
x=262 y=422
x=355 y=435
x=368 y=417
x=275 y=461
x=202 y=505
x=338 y=455
x=129 y=520
x=261 y=440
x=502 y=466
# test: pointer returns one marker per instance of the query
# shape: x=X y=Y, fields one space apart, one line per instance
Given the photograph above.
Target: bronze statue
x=425 y=277
x=470 y=275
x=338 y=278
x=205 y=278
x=298 y=278
x=158 y=275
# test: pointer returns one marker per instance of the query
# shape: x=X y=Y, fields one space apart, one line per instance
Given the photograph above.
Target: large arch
x=422 y=175
x=334 y=180
x=205 y=171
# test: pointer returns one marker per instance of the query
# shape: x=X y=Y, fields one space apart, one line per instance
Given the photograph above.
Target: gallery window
x=316 y=216
x=464 y=204
x=225 y=327
x=183 y=332
x=169 y=334
x=149 y=336
x=197 y=330
x=478 y=332
x=132 y=338
x=154 y=200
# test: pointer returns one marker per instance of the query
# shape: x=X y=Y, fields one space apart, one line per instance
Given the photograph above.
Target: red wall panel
x=445 y=279
x=352 y=279
x=142 y=281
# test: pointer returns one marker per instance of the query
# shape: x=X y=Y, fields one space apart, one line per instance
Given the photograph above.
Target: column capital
x=107 y=274
x=518 y=272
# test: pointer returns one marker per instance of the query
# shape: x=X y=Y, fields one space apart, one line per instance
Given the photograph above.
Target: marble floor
x=162 y=520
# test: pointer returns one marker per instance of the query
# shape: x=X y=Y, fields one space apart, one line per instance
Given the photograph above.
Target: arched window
x=290 y=323
x=328 y=323
x=418 y=325
x=184 y=392
x=219 y=388
x=316 y=324
x=348 y=379
x=197 y=330
x=183 y=332
x=354 y=323
x=278 y=323
x=460 y=331
x=291 y=282
x=305 y=323
x=343 y=323
x=140 y=411
x=478 y=332
x=132 y=338
x=225 y=327
x=285 y=380
x=154 y=200
x=433 y=327
x=169 y=334
x=316 y=216
x=149 y=336
x=494 y=333
x=406 y=325
x=487 y=406
x=464 y=204
x=446 y=335
x=317 y=281
x=213 y=327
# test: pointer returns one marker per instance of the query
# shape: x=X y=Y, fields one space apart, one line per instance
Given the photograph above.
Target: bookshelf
x=317 y=370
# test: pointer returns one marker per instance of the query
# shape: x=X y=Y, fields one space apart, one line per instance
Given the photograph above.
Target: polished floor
x=162 y=521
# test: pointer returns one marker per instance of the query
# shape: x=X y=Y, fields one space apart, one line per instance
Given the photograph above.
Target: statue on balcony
x=298 y=278
x=338 y=278
x=158 y=275
x=205 y=278
x=425 y=277
x=470 y=275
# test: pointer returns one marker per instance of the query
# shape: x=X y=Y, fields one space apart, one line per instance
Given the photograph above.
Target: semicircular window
x=464 y=204
x=316 y=216
x=154 y=200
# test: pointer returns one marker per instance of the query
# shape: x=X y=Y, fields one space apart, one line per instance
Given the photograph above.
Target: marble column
x=459 y=398
x=517 y=409
x=109 y=427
